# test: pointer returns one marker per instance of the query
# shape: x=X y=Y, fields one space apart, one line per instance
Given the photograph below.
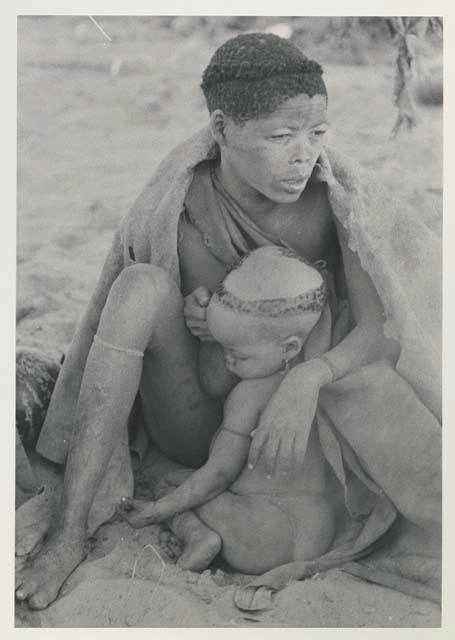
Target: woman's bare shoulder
x=198 y=266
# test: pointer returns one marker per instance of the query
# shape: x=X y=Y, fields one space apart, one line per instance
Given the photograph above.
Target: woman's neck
x=252 y=203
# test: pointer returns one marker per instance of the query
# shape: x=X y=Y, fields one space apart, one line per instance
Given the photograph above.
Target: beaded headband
x=312 y=300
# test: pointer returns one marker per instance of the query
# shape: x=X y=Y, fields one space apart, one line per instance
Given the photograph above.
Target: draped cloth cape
x=379 y=426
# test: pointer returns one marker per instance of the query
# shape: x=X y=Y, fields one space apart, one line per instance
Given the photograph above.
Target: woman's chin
x=288 y=196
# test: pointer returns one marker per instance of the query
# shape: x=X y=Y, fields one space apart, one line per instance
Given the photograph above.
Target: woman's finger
x=196 y=327
x=201 y=334
x=195 y=303
x=194 y=311
x=257 y=443
x=207 y=338
x=196 y=322
x=270 y=454
x=285 y=458
x=199 y=325
x=322 y=170
x=300 y=446
x=202 y=296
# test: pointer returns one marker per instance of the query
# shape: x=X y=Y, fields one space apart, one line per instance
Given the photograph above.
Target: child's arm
x=227 y=458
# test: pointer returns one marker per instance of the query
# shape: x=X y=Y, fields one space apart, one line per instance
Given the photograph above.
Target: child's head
x=264 y=311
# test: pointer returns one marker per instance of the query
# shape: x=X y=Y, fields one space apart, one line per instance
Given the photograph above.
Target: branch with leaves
x=407 y=33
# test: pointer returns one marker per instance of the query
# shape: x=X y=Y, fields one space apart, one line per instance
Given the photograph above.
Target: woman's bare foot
x=33 y=521
x=201 y=548
x=41 y=578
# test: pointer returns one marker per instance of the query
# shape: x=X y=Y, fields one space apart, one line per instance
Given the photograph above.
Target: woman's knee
x=139 y=299
x=145 y=288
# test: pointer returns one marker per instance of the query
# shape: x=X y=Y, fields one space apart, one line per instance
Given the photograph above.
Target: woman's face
x=274 y=155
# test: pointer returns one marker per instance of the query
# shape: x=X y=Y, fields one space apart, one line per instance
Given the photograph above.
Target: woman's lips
x=295 y=184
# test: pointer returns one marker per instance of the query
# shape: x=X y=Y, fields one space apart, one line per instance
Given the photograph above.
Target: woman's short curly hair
x=252 y=74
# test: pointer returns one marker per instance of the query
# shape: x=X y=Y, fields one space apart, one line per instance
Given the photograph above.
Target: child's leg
x=201 y=544
x=256 y=532
x=314 y=525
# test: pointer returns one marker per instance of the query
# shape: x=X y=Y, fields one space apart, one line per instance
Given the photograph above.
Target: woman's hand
x=322 y=171
x=282 y=434
x=195 y=312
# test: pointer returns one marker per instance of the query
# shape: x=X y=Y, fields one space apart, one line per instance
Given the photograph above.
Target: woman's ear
x=292 y=347
x=218 y=126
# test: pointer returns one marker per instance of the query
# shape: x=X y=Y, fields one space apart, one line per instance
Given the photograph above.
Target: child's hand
x=138 y=513
x=195 y=312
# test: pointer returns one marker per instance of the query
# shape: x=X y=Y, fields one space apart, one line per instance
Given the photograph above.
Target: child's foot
x=170 y=544
x=201 y=548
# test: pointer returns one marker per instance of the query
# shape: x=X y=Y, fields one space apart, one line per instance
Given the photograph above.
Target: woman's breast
x=198 y=266
x=311 y=234
x=216 y=380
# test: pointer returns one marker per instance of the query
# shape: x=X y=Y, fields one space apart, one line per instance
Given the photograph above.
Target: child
x=261 y=314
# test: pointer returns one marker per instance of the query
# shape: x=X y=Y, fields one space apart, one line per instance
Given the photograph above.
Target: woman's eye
x=281 y=136
x=318 y=132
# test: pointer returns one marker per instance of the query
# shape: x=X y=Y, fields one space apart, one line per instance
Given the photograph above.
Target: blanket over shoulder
x=397 y=460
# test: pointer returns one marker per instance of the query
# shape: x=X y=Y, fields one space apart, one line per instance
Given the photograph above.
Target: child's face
x=257 y=360
x=248 y=351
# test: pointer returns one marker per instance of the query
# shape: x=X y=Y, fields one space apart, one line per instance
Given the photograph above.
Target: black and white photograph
x=228 y=321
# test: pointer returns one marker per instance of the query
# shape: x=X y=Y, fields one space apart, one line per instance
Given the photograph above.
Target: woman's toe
x=40 y=601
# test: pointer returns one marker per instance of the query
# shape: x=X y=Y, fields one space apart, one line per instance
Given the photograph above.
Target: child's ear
x=292 y=347
x=218 y=125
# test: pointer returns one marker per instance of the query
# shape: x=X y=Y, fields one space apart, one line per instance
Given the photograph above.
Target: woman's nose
x=300 y=151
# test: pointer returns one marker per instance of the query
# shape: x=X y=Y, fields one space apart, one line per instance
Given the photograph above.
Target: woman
x=260 y=175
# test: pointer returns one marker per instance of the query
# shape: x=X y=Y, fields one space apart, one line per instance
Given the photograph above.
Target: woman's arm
x=285 y=425
x=366 y=342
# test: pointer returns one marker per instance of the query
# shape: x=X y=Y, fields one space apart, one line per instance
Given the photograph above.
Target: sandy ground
x=94 y=120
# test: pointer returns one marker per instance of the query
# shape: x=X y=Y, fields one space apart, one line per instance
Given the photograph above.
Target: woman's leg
x=143 y=312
